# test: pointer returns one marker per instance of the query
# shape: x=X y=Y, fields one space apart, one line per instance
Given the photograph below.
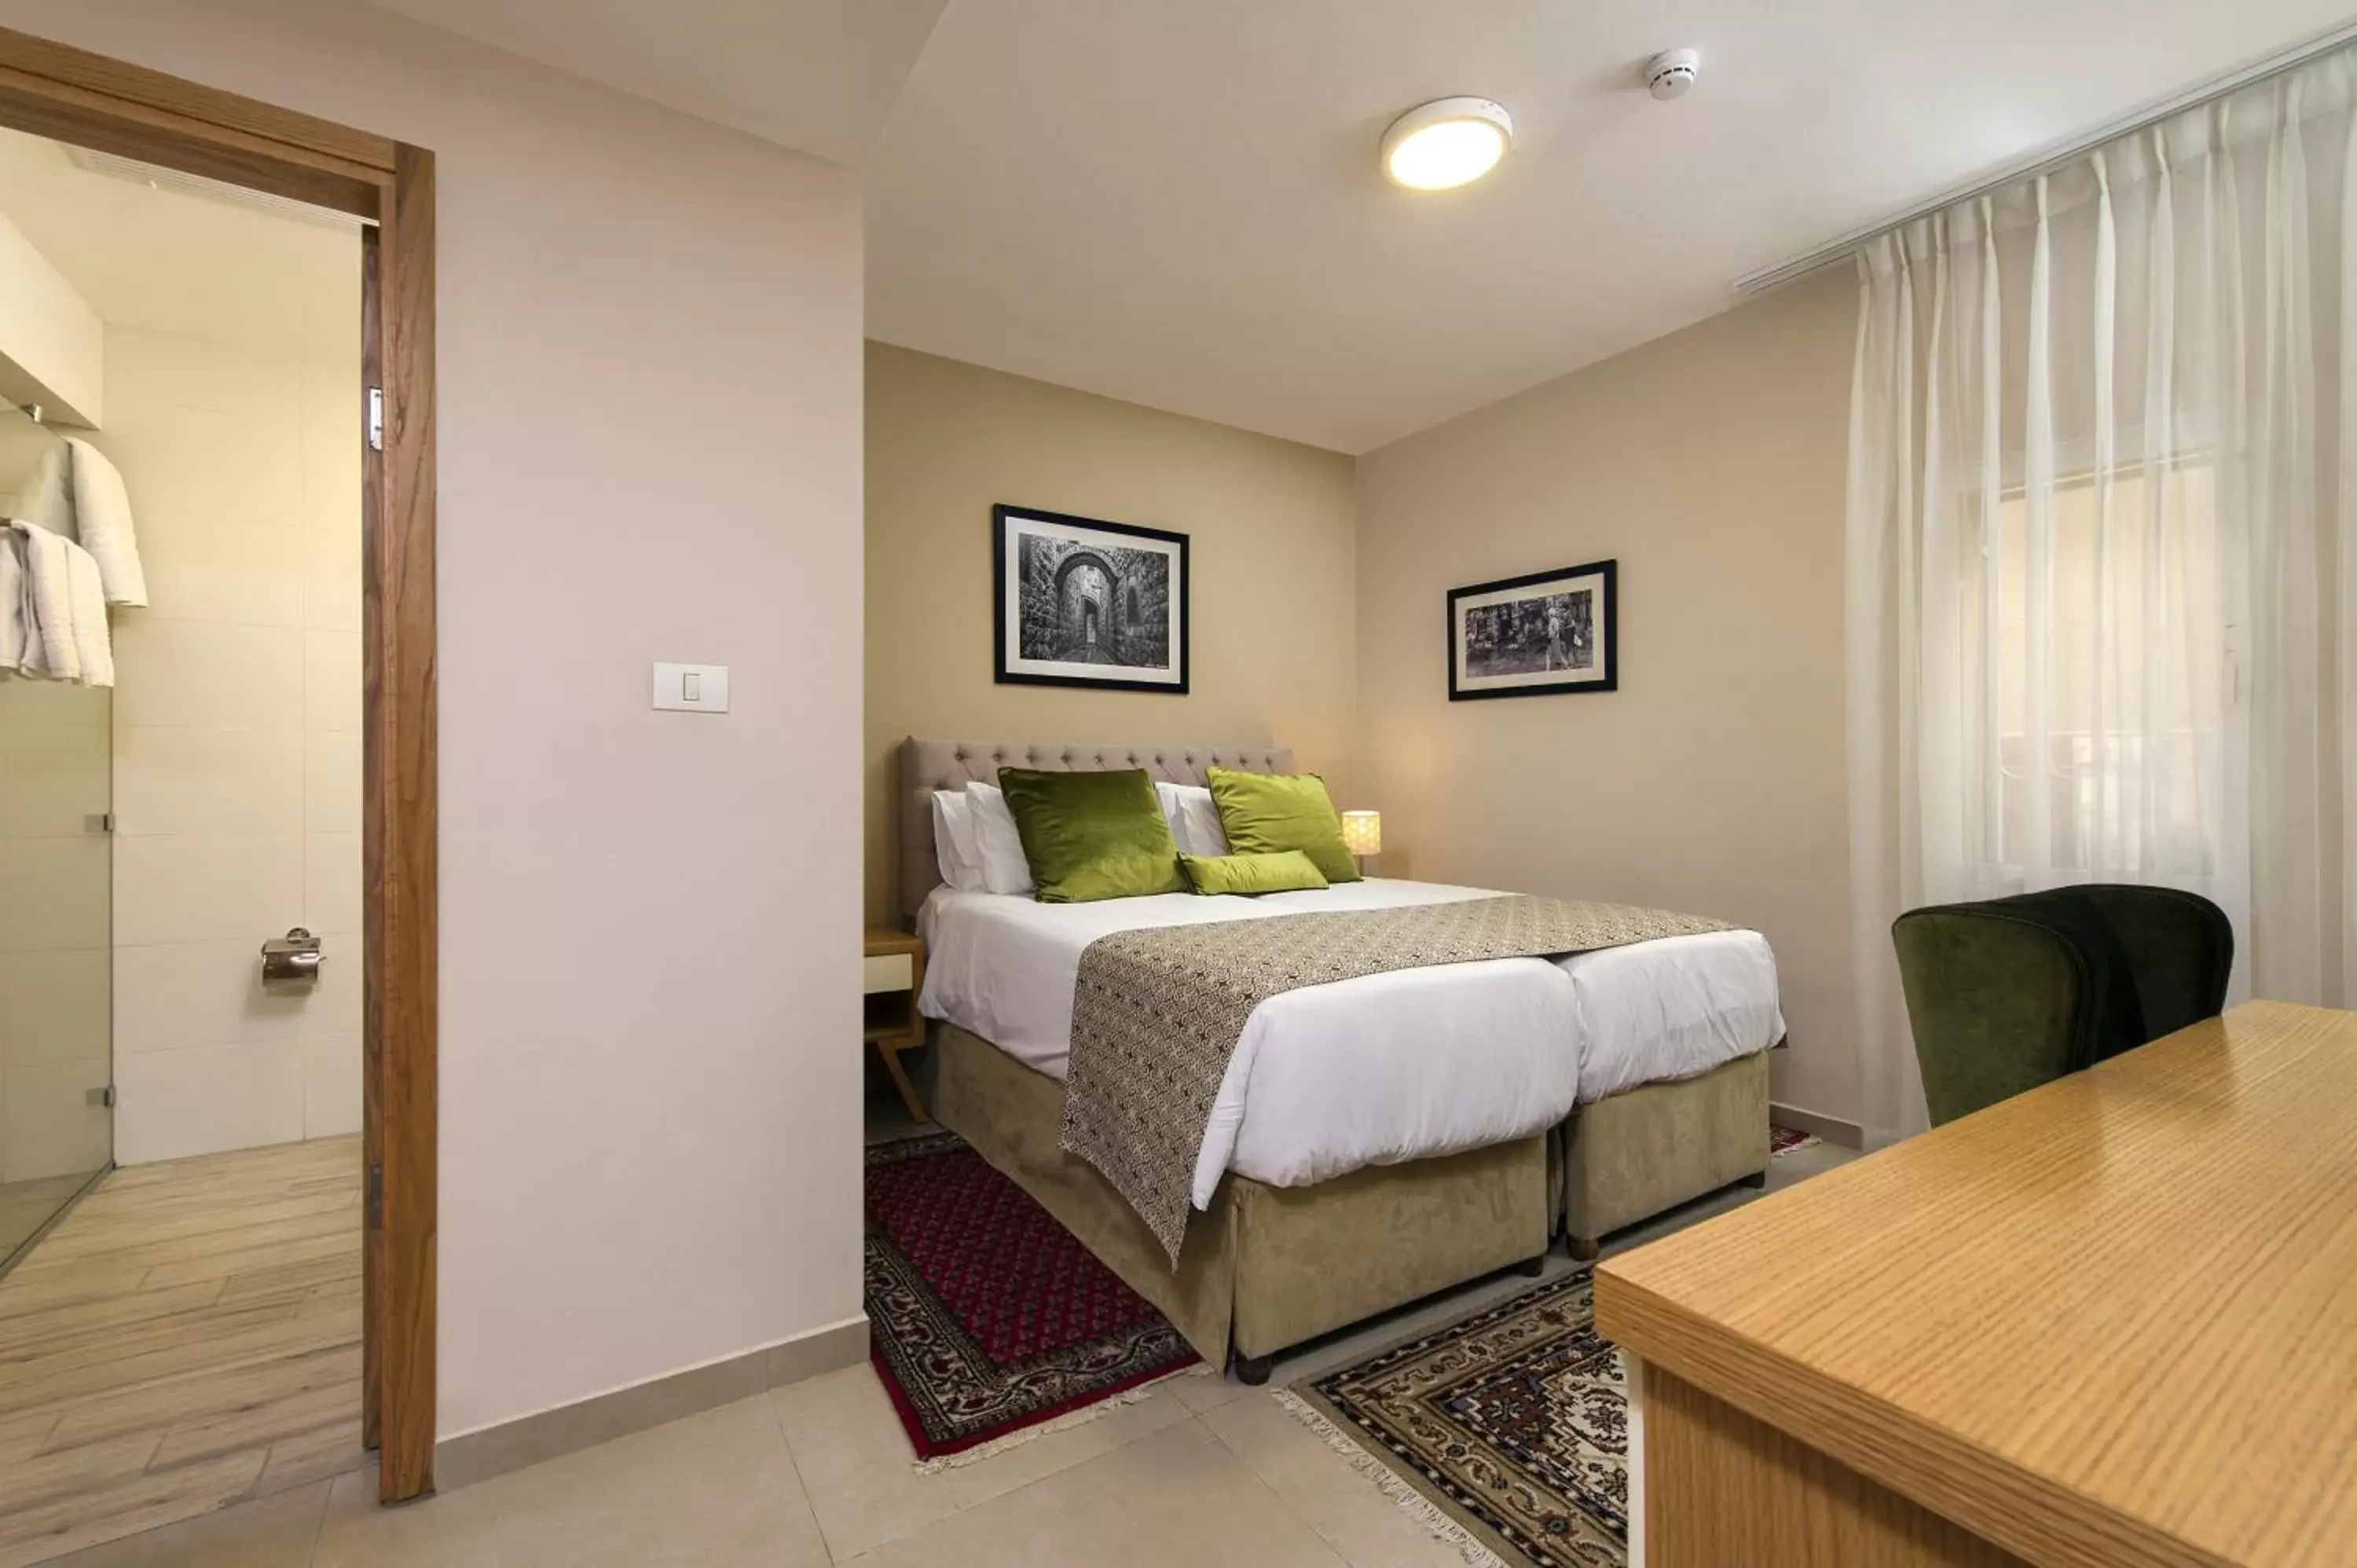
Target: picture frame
x=1546 y=634
x=1078 y=601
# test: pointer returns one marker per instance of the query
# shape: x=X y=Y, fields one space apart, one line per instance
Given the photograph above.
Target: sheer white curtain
x=2099 y=610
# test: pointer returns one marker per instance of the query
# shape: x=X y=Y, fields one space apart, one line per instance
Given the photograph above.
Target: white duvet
x=1385 y=1067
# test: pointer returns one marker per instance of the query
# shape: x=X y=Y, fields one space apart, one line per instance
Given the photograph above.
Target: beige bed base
x=1265 y=1268
x=1630 y=1156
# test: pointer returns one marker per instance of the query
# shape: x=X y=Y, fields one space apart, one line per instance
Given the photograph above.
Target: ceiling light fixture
x=1447 y=143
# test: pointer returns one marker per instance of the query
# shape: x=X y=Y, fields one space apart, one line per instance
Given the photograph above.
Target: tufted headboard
x=929 y=765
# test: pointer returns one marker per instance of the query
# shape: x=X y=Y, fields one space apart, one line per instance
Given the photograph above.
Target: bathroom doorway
x=109 y=110
x=180 y=738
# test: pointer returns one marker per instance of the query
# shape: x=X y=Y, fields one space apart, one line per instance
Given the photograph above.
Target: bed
x=1375 y=1140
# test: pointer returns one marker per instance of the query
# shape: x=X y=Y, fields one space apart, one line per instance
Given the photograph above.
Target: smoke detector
x=1671 y=72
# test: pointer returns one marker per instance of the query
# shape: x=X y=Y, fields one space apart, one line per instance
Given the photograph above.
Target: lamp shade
x=1363 y=832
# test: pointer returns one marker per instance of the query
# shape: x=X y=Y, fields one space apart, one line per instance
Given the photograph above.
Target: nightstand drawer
x=888 y=972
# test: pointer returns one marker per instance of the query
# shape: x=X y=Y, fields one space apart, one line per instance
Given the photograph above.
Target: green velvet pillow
x=1092 y=835
x=1285 y=870
x=1262 y=813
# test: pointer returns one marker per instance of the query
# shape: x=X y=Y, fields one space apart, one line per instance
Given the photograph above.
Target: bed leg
x=1757 y=1181
x=1585 y=1251
x=1252 y=1371
x=1532 y=1267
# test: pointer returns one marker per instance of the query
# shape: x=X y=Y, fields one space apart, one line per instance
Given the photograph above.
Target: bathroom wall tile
x=331 y=681
x=331 y=1086
x=54 y=1006
x=53 y=894
x=331 y=394
x=236 y=823
x=201 y=373
x=201 y=672
x=331 y=577
x=331 y=882
x=171 y=1104
x=209 y=887
x=332 y=783
x=175 y=996
x=172 y=996
x=334 y=1006
x=209 y=566
x=53 y=777
x=332 y=479
x=191 y=779
x=179 y=459
x=48 y=1125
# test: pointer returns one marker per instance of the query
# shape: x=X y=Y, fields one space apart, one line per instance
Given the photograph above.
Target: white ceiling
x=194 y=265
x=1177 y=201
x=816 y=75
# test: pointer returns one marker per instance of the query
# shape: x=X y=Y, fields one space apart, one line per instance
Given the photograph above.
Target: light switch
x=691 y=688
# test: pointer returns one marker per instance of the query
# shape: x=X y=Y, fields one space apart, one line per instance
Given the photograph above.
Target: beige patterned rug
x=1507 y=1433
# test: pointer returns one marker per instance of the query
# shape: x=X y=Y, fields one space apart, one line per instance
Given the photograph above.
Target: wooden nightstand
x=893 y=975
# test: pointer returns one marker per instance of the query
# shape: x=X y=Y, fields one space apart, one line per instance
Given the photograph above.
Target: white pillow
x=953 y=847
x=997 y=845
x=1194 y=819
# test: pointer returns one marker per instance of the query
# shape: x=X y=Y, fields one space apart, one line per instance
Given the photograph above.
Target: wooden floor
x=188 y=1336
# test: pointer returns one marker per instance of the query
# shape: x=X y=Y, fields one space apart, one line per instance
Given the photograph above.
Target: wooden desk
x=2110 y=1321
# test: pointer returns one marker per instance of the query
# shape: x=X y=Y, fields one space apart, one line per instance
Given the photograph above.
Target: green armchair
x=2013 y=992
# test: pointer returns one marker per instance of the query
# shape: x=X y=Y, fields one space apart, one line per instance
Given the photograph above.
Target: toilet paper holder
x=294 y=956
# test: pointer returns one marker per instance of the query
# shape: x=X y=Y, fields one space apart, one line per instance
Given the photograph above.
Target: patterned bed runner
x=1157 y=1012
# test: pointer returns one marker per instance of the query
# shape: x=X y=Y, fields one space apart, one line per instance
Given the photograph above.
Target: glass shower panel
x=56 y=916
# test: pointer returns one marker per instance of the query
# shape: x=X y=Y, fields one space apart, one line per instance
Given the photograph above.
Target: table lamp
x=1362 y=834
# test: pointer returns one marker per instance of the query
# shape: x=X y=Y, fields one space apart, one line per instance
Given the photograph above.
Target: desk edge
x=2030 y=1514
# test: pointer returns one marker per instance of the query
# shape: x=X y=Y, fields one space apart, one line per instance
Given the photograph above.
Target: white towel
x=47 y=601
x=20 y=639
x=46 y=497
x=65 y=603
x=103 y=522
x=93 y=638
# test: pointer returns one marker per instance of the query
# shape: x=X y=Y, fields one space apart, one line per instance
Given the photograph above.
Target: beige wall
x=1711 y=464
x=237 y=743
x=1270 y=543
x=649 y=432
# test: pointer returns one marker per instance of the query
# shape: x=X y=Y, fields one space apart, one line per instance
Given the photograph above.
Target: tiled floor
x=1202 y=1472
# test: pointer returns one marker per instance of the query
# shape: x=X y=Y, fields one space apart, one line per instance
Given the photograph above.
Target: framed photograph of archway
x=1080 y=602
x=1528 y=637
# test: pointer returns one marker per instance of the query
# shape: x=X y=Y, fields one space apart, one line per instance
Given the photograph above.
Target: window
x=2110 y=679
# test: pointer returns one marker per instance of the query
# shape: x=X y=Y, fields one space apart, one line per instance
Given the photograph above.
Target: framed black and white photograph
x=1085 y=603
x=1529 y=637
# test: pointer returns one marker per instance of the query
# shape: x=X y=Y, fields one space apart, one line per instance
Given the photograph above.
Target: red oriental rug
x=986 y=1316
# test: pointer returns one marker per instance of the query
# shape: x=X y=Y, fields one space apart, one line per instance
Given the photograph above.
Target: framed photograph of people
x=1528 y=637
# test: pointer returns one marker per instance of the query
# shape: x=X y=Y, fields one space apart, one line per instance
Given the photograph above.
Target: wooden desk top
x=2114 y=1319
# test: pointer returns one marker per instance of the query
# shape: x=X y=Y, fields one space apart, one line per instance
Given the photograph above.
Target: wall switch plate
x=691 y=688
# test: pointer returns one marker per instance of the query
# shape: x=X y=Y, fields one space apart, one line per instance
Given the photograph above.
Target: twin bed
x=1374 y=1140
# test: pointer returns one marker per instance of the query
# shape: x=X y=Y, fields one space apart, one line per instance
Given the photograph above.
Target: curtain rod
x=2053 y=156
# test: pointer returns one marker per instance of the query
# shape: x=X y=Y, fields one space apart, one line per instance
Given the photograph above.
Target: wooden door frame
x=51 y=89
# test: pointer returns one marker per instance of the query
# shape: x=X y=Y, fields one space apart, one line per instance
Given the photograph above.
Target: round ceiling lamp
x=1448 y=142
